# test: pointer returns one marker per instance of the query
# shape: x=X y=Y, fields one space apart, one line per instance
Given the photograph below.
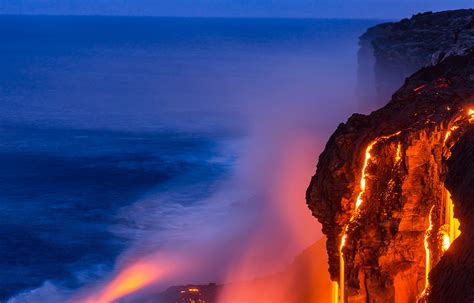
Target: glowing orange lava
x=398 y=156
x=131 y=279
x=450 y=230
x=362 y=179
x=446 y=242
x=449 y=132
x=451 y=222
x=359 y=201
x=342 y=267
x=427 y=250
x=334 y=292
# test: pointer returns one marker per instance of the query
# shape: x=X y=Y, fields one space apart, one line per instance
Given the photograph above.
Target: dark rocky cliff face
x=379 y=189
x=392 y=51
x=452 y=279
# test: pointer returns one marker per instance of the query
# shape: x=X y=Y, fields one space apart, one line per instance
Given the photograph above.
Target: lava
x=449 y=132
x=342 y=266
x=359 y=201
x=420 y=87
x=449 y=231
x=191 y=295
x=446 y=241
x=427 y=249
x=398 y=156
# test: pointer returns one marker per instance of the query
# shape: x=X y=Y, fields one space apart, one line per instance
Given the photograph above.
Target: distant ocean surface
x=98 y=113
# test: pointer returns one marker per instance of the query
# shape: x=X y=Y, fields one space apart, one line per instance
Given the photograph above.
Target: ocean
x=120 y=135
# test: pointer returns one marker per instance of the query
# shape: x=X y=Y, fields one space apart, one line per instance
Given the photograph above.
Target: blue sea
x=99 y=114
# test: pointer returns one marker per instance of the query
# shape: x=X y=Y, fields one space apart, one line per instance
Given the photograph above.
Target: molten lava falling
x=359 y=201
x=342 y=267
x=449 y=229
x=131 y=279
x=427 y=250
x=334 y=292
x=452 y=223
x=398 y=157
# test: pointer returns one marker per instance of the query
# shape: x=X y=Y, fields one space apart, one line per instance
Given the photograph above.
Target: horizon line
x=199 y=17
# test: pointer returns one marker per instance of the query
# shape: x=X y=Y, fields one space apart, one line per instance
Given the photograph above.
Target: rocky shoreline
x=379 y=190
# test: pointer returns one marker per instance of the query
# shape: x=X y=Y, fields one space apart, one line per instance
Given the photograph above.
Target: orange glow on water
x=131 y=279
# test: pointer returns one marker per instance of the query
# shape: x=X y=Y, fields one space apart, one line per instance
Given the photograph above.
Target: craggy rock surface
x=453 y=278
x=384 y=250
x=392 y=51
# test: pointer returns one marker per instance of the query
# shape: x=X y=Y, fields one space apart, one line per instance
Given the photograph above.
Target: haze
x=385 y=9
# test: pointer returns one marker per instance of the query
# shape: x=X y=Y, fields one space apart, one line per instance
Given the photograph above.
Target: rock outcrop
x=379 y=188
x=390 y=52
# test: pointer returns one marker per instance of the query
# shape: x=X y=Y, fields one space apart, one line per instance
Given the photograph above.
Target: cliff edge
x=379 y=189
x=390 y=52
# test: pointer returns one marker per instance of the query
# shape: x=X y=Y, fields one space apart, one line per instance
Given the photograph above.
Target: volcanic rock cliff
x=379 y=192
x=392 y=51
x=453 y=278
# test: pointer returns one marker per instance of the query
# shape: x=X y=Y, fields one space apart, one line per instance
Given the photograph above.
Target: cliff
x=379 y=189
x=453 y=278
x=390 y=52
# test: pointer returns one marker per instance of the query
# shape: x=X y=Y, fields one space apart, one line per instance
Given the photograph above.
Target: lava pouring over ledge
x=448 y=233
x=338 y=289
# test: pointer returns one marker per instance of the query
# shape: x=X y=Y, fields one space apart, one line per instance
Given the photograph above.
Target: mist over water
x=185 y=143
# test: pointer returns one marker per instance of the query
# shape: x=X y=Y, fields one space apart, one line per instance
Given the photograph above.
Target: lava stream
x=359 y=201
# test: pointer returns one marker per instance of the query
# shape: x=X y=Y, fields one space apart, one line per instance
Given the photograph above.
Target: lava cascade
x=379 y=187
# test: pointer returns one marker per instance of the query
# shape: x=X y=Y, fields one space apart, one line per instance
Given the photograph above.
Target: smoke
x=256 y=220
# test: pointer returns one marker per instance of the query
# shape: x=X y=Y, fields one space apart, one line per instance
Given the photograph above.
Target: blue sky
x=234 y=8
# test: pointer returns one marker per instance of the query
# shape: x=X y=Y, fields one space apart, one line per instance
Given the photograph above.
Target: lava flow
x=338 y=288
x=373 y=198
x=427 y=250
x=449 y=230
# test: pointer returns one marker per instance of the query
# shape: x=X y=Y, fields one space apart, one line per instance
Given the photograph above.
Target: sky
x=384 y=9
